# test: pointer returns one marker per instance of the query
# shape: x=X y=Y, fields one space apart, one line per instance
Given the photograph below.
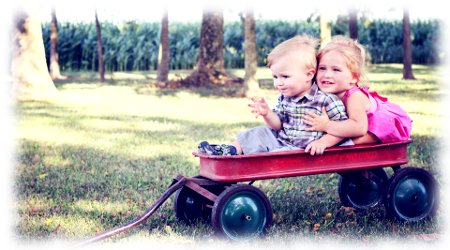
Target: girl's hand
x=259 y=106
x=316 y=147
x=317 y=122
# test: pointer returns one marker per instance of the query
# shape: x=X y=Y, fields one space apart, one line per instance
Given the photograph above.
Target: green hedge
x=134 y=45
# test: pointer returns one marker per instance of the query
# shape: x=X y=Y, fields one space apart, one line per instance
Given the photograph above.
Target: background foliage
x=134 y=45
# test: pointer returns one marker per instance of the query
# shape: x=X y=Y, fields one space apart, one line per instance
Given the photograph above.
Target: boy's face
x=290 y=76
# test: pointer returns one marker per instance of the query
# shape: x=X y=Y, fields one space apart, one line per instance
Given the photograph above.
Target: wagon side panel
x=288 y=165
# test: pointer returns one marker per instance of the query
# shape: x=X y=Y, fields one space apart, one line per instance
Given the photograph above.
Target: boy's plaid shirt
x=291 y=112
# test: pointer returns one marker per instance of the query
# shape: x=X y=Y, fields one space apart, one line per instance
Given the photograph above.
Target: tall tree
x=55 y=72
x=30 y=75
x=325 y=27
x=251 y=85
x=210 y=69
x=407 y=51
x=164 y=50
x=353 y=23
x=101 y=64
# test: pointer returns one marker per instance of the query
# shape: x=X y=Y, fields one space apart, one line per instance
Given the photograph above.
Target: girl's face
x=290 y=76
x=333 y=74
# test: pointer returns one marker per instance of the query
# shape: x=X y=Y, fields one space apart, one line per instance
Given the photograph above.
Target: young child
x=371 y=117
x=293 y=65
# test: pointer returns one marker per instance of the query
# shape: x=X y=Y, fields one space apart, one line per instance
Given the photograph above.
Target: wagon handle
x=177 y=183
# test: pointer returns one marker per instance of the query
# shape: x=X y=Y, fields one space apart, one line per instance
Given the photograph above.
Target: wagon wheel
x=411 y=194
x=241 y=212
x=190 y=206
x=361 y=192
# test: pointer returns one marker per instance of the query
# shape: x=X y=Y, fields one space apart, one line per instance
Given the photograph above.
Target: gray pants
x=261 y=139
x=264 y=139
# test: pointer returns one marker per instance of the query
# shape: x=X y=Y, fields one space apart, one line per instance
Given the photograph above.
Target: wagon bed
x=291 y=163
x=243 y=212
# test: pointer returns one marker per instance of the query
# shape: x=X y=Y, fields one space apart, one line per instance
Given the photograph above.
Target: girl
x=371 y=117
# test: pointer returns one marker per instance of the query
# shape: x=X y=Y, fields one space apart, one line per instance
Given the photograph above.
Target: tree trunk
x=101 y=65
x=353 y=23
x=164 y=50
x=54 y=57
x=251 y=85
x=325 y=28
x=211 y=42
x=210 y=68
x=407 y=51
x=30 y=75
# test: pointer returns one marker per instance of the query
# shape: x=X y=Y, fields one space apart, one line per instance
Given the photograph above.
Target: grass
x=98 y=155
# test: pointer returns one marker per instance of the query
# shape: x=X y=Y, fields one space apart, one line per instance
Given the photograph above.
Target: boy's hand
x=317 y=122
x=259 y=106
x=316 y=147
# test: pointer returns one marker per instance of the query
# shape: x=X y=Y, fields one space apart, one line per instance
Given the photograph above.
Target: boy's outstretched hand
x=259 y=106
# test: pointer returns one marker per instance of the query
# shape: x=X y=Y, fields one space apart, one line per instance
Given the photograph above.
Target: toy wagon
x=241 y=211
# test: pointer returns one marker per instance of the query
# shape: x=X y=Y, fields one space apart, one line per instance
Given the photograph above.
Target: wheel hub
x=246 y=217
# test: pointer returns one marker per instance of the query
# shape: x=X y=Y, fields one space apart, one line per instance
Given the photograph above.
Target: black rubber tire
x=191 y=207
x=411 y=195
x=361 y=193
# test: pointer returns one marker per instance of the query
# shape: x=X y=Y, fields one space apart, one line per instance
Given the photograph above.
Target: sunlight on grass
x=89 y=206
x=127 y=75
x=35 y=204
x=56 y=160
x=68 y=225
x=40 y=218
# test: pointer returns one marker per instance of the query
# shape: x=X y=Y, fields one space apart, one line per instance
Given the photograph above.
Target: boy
x=293 y=65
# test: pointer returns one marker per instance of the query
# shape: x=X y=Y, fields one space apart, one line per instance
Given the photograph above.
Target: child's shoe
x=225 y=149
x=214 y=149
x=204 y=147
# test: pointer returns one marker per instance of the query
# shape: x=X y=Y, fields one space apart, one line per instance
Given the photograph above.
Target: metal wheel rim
x=412 y=198
x=243 y=216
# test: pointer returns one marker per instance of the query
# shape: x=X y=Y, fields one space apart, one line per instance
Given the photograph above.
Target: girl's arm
x=356 y=125
x=261 y=108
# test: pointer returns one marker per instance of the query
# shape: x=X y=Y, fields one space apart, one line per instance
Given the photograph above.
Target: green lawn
x=98 y=155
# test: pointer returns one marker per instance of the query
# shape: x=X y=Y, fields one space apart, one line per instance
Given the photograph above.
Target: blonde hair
x=352 y=51
x=303 y=45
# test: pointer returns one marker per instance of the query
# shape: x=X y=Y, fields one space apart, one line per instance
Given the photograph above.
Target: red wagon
x=242 y=211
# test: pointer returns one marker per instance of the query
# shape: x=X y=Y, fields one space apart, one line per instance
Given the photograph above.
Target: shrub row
x=134 y=45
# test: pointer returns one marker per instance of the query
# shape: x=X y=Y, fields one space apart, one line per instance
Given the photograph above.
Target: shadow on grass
x=303 y=206
x=68 y=175
x=398 y=69
x=67 y=118
x=410 y=90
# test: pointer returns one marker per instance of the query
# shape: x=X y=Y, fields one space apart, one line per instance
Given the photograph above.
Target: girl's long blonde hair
x=353 y=53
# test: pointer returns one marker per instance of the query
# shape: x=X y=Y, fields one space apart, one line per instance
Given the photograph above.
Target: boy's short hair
x=305 y=46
